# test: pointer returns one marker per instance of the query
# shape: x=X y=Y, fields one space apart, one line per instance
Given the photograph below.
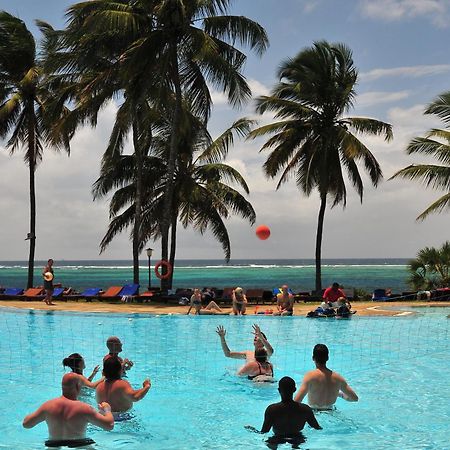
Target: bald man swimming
x=67 y=418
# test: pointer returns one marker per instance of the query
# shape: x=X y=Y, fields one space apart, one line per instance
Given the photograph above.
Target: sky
x=400 y=48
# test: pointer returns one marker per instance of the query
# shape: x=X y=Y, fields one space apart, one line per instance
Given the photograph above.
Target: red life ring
x=168 y=267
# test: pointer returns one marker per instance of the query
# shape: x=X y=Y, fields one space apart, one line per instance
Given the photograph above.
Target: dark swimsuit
x=251 y=377
x=48 y=285
x=71 y=443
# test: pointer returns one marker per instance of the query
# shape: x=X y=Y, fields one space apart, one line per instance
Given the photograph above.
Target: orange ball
x=263 y=232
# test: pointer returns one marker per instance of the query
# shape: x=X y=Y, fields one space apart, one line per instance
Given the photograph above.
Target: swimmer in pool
x=322 y=385
x=258 y=370
x=259 y=341
x=76 y=362
x=287 y=418
x=67 y=418
x=114 y=345
x=117 y=392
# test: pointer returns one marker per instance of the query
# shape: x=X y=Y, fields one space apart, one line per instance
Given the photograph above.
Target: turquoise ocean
x=367 y=274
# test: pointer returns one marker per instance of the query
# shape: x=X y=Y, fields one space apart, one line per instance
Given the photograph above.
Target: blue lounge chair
x=379 y=295
x=57 y=292
x=90 y=293
x=276 y=291
x=13 y=291
x=129 y=290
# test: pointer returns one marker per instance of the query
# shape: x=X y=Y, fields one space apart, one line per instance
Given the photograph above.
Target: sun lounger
x=129 y=292
x=255 y=296
x=88 y=294
x=32 y=293
x=12 y=293
x=225 y=298
x=379 y=295
x=112 y=293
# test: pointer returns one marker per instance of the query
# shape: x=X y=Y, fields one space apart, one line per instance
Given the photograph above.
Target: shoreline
x=369 y=309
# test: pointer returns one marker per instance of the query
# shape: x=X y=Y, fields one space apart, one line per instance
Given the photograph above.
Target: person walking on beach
x=285 y=302
x=287 y=418
x=117 y=392
x=322 y=385
x=115 y=347
x=259 y=341
x=48 y=275
x=67 y=418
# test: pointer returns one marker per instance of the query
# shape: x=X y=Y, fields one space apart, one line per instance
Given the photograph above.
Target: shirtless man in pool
x=259 y=341
x=67 y=418
x=322 y=385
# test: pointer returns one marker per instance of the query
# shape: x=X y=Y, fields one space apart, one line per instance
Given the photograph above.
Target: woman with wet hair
x=76 y=362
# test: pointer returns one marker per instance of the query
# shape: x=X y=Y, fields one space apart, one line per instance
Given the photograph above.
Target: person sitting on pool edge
x=285 y=302
x=287 y=418
x=76 y=362
x=322 y=385
x=259 y=341
x=67 y=418
x=258 y=370
x=239 y=301
x=333 y=294
x=117 y=392
x=211 y=308
x=115 y=347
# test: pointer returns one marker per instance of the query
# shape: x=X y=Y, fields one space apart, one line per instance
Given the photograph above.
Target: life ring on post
x=167 y=265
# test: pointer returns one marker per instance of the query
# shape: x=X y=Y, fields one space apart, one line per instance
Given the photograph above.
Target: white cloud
x=377 y=97
x=394 y=10
x=407 y=71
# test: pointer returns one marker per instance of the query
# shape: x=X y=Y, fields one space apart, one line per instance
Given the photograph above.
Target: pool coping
x=300 y=309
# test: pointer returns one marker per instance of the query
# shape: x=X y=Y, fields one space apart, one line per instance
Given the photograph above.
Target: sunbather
x=239 y=301
x=211 y=308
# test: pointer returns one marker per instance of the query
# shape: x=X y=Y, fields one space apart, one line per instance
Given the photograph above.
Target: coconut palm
x=25 y=119
x=312 y=140
x=203 y=197
x=184 y=43
x=431 y=268
x=435 y=143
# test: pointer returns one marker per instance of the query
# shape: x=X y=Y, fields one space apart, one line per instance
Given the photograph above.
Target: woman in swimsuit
x=76 y=362
x=48 y=283
x=210 y=309
x=239 y=301
x=259 y=370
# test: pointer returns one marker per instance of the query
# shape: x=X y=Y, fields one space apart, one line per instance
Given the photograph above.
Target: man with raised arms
x=114 y=345
x=67 y=418
x=117 y=392
x=259 y=341
x=322 y=385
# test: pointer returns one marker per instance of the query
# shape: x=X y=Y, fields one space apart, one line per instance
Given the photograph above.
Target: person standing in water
x=48 y=275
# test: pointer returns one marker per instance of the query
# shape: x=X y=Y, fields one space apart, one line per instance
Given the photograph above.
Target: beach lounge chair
x=225 y=298
x=379 y=295
x=128 y=292
x=58 y=293
x=32 y=294
x=112 y=293
x=12 y=293
x=255 y=295
x=89 y=294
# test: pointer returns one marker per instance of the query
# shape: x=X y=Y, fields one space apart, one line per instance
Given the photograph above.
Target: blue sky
x=401 y=50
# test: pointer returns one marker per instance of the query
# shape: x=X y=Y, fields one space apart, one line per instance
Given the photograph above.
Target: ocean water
x=397 y=365
x=367 y=274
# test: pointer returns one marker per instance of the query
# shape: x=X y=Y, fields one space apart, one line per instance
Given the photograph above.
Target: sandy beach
x=300 y=309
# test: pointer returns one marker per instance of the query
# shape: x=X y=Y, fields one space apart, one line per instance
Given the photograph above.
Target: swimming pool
x=397 y=365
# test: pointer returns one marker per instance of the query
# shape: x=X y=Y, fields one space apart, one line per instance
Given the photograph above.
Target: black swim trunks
x=71 y=443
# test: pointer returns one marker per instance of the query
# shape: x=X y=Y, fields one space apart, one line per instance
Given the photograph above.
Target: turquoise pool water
x=398 y=366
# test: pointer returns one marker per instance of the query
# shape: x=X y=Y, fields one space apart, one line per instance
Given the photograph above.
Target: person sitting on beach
x=48 y=275
x=67 y=418
x=259 y=370
x=115 y=347
x=239 y=301
x=259 y=341
x=117 y=392
x=322 y=385
x=343 y=307
x=211 y=308
x=287 y=418
x=333 y=294
x=285 y=302
x=76 y=362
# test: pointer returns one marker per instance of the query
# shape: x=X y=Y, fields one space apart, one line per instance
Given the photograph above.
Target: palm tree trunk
x=138 y=201
x=323 y=204
x=170 y=185
x=32 y=235
x=173 y=247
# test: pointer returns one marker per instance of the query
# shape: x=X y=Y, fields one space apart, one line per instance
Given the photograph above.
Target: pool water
x=397 y=365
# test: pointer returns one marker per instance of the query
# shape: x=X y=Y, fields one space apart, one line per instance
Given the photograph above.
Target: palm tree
x=312 y=141
x=185 y=43
x=431 y=268
x=435 y=143
x=24 y=115
x=202 y=196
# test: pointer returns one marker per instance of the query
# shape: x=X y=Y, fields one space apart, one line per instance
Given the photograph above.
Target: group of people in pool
x=67 y=417
x=285 y=303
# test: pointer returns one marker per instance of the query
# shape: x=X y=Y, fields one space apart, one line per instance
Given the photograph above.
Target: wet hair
x=320 y=353
x=261 y=355
x=335 y=285
x=112 y=368
x=287 y=385
x=73 y=361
